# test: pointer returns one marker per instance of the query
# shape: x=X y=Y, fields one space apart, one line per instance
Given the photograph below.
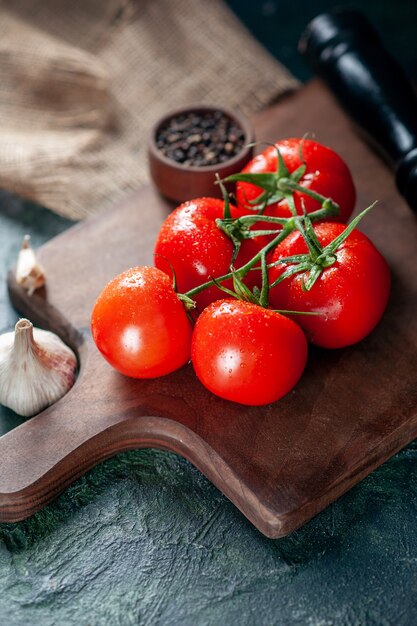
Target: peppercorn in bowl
x=189 y=146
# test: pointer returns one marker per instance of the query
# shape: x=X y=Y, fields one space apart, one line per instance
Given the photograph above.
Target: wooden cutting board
x=279 y=464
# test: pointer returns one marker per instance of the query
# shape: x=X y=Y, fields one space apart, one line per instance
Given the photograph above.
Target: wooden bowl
x=181 y=182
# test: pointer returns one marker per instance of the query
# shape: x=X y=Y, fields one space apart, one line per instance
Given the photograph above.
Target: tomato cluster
x=240 y=289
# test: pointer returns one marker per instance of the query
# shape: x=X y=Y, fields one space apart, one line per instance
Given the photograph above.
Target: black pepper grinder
x=345 y=50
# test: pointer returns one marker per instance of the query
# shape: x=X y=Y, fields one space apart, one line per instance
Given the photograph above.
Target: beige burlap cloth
x=82 y=81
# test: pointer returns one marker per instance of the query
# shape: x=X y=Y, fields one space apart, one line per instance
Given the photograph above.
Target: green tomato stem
x=286 y=184
x=318 y=258
x=290 y=225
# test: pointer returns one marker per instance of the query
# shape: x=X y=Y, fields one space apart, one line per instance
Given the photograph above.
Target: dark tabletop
x=144 y=538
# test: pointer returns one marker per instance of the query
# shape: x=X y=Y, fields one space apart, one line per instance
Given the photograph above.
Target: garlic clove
x=36 y=369
x=29 y=272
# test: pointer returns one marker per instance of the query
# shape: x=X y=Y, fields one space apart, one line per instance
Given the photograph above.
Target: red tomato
x=248 y=354
x=326 y=173
x=351 y=295
x=139 y=324
x=190 y=242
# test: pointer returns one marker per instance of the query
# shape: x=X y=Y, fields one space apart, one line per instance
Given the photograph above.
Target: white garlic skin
x=29 y=272
x=36 y=369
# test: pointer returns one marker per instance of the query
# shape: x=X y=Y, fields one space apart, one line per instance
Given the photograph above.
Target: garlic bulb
x=36 y=369
x=29 y=272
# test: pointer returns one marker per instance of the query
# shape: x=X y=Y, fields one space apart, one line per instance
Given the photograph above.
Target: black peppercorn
x=199 y=139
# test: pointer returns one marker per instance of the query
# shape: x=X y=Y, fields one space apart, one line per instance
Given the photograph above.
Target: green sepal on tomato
x=140 y=325
x=192 y=246
x=350 y=291
x=325 y=173
x=247 y=354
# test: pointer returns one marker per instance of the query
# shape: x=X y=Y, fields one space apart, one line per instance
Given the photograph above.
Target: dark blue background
x=278 y=24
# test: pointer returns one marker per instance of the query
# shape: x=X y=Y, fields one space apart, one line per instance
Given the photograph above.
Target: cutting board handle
x=345 y=50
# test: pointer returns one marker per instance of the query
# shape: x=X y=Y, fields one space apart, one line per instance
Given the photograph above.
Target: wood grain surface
x=279 y=464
